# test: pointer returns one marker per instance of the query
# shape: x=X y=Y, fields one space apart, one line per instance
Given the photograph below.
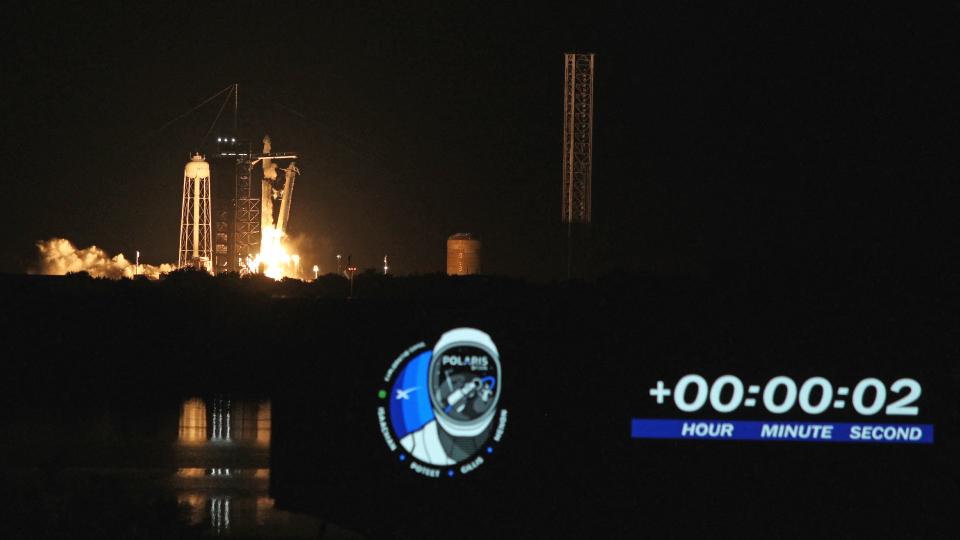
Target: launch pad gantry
x=240 y=233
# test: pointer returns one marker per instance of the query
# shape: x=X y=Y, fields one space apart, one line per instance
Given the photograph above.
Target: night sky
x=727 y=138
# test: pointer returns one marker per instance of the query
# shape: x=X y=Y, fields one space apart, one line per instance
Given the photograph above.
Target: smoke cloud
x=58 y=256
x=313 y=250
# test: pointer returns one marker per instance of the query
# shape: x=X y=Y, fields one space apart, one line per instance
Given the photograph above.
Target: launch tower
x=237 y=207
x=244 y=215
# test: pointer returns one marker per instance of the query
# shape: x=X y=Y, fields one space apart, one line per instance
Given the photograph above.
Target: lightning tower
x=196 y=236
x=577 y=137
x=576 y=210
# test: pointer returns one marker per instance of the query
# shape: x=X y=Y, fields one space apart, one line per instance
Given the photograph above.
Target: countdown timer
x=780 y=395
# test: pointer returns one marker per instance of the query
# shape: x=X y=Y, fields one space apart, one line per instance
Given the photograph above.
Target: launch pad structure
x=240 y=211
x=243 y=213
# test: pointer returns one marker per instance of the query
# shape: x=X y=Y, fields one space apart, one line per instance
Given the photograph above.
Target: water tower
x=196 y=235
x=463 y=255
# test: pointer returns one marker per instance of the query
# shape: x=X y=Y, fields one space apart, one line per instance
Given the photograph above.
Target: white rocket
x=266 y=189
x=268 y=193
x=289 y=177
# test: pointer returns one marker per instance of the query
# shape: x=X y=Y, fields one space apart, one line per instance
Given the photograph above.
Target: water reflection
x=224 y=420
x=223 y=478
x=263 y=423
x=193 y=421
x=176 y=468
x=214 y=495
x=196 y=503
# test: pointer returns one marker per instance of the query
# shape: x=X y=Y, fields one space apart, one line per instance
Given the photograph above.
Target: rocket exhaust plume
x=58 y=256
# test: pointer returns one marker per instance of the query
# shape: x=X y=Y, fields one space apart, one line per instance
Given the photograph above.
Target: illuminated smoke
x=275 y=259
x=58 y=256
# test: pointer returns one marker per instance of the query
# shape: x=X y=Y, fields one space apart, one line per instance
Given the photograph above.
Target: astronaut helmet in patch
x=464 y=381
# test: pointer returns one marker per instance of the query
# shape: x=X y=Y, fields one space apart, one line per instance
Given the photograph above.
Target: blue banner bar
x=750 y=430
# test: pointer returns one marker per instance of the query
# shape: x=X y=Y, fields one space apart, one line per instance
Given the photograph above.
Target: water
x=199 y=470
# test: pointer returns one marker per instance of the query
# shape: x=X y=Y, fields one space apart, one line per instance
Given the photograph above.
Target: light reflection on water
x=223 y=477
x=176 y=468
x=225 y=420
x=228 y=500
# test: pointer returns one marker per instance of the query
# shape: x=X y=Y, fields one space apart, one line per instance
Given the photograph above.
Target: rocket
x=266 y=187
x=268 y=192
x=289 y=177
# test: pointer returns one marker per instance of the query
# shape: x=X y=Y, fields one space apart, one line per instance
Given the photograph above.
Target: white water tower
x=196 y=232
